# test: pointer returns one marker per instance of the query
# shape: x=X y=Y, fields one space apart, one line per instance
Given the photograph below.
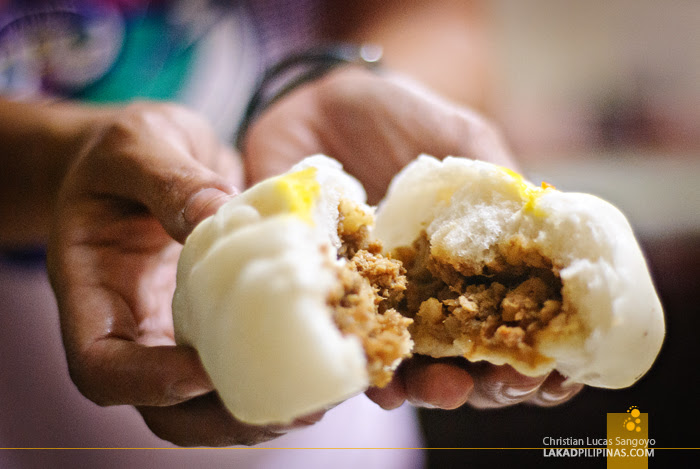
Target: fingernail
x=422 y=404
x=564 y=393
x=204 y=203
x=514 y=395
x=550 y=398
x=517 y=393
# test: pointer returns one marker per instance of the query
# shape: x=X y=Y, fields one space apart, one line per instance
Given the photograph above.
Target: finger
x=443 y=129
x=207 y=201
x=178 y=191
x=274 y=143
x=475 y=137
x=107 y=363
x=204 y=421
x=230 y=165
x=392 y=396
x=198 y=206
x=160 y=157
x=437 y=383
x=499 y=386
x=115 y=371
x=301 y=422
x=554 y=391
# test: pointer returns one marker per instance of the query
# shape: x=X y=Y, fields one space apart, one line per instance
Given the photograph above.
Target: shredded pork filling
x=497 y=308
x=392 y=301
x=369 y=288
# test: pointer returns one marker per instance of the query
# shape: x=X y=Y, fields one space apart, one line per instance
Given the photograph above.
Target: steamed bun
x=572 y=287
x=297 y=296
x=264 y=297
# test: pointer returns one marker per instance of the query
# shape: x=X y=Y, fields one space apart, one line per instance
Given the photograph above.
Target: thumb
x=201 y=205
x=206 y=201
x=177 y=189
x=159 y=158
x=181 y=197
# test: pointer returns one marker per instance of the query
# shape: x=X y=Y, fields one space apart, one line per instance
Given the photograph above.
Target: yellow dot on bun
x=300 y=189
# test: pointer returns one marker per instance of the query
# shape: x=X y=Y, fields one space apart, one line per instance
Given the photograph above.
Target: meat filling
x=472 y=310
x=369 y=289
x=502 y=309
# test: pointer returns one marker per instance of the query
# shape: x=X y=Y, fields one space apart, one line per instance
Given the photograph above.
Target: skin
x=124 y=187
x=39 y=142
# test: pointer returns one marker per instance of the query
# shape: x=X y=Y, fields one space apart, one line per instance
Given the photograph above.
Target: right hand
x=146 y=176
x=374 y=125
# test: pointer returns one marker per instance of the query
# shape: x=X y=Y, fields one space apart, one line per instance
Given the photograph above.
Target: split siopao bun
x=297 y=296
x=274 y=293
x=528 y=276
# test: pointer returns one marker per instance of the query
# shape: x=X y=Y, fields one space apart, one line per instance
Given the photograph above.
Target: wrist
x=41 y=140
x=65 y=130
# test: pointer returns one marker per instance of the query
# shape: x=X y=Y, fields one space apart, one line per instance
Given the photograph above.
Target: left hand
x=374 y=125
x=146 y=175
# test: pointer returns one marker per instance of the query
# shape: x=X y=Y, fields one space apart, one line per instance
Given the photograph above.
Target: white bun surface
x=252 y=286
x=470 y=209
x=253 y=280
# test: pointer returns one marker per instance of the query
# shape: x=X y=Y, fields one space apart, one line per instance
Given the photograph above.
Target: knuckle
x=135 y=127
x=139 y=118
x=136 y=117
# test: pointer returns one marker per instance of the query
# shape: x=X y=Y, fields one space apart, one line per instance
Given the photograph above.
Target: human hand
x=374 y=125
x=450 y=383
x=146 y=176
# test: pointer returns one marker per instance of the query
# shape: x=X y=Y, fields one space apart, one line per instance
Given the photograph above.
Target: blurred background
x=574 y=78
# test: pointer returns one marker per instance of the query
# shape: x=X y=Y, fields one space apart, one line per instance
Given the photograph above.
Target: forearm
x=39 y=141
x=444 y=43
